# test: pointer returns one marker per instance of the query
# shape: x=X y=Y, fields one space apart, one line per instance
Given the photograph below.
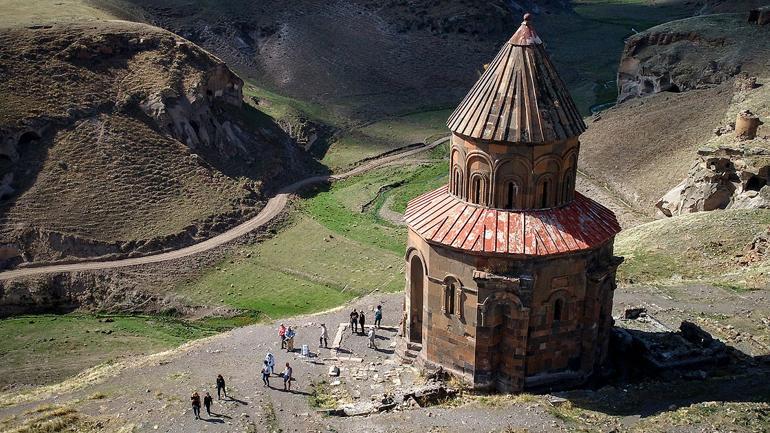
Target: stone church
x=510 y=272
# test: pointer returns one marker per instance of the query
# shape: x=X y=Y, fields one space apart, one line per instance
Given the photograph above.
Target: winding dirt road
x=274 y=207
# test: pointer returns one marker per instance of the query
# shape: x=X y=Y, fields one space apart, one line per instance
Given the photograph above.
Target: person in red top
x=282 y=335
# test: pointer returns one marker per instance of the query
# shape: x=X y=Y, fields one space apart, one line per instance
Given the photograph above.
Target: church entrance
x=416 y=283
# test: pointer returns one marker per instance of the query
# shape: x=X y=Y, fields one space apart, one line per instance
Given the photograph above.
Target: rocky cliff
x=692 y=53
x=121 y=139
x=732 y=169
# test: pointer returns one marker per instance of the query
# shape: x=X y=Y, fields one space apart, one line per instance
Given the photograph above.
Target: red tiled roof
x=519 y=98
x=442 y=218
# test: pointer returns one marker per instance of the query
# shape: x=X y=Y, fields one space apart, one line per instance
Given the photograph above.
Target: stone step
x=414 y=346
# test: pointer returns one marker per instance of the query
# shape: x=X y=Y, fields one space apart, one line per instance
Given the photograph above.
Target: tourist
x=378 y=316
x=207 y=400
x=266 y=370
x=290 y=339
x=372 y=336
x=282 y=335
x=196 y=405
x=221 y=387
x=362 y=322
x=354 y=321
x=324 y=339
x=287 y=375
x=270 y=360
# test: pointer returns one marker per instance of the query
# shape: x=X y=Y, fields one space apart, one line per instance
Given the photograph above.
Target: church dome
x=520 y=98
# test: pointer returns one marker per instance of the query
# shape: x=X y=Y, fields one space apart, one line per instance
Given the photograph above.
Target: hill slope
x=120 y=138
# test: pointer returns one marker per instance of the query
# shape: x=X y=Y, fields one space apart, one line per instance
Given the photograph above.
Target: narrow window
x=558 y=306
x=459 y=303
x=510 y=197
x=546 y=185
x=449 y=298
x=477 y=190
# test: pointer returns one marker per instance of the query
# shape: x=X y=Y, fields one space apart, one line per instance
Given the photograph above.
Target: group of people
x=358 y=320
x=287 y=337
x=207 y=399
x=268 y=369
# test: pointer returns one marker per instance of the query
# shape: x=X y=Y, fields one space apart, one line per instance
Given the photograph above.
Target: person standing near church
x=354 y=321
x=378 y=316
x=362 y=322
x=323 y=340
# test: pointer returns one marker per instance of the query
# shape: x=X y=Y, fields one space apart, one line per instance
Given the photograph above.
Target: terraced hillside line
x=274 y=207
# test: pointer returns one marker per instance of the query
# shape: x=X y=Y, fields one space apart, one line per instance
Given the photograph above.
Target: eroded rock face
x=189 y=114
x=656 y=62
x=721 y=179
x=691 y=53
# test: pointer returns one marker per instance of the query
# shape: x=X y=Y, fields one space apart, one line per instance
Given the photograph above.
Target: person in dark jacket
x=362 y=322
x=195 y=400
x=378 y=317
x=221 y=387
x=354 y=321
x=207 y=400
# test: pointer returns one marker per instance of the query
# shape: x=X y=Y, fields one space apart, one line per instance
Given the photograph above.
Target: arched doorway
x=416 y=283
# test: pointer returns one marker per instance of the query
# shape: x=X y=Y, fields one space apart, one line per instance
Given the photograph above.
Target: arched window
x=545 y=187
x=449 y=297
x=568 y=186
x=476 y=189
x=558 y=309
x=511 y=193
x=457 y=186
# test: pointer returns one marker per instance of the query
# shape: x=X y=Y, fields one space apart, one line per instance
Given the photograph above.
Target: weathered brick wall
x=504 y=329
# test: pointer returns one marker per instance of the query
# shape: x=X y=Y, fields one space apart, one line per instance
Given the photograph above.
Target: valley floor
x=151 y=393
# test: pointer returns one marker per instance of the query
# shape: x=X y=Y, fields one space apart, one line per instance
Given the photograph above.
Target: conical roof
x=519 y=98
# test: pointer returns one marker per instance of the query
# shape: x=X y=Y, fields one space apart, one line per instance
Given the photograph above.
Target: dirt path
x=274 y=207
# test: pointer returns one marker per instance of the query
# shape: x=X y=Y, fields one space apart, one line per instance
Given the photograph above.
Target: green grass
x=358 y=143
x=305 y=268
x=426 y=179
x=697 y=247
x=332 y=209
x=281 y=107
x=43 y=349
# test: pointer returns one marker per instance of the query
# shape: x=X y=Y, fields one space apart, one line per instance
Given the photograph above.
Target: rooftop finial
x=526 y=34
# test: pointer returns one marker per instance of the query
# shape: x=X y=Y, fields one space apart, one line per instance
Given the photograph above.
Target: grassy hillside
x=700 y=247
x=114 y=142
x=48 y=348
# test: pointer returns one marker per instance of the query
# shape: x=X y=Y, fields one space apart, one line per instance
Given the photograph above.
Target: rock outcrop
x=690 y=54
x=720 y=179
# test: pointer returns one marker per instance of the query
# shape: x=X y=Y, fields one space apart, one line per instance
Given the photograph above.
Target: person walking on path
x=288 y=372
x=207 y=400
x=221 y=387
x=270 y=360
x=282 y=335
x=354 y=321
x=323 y=340
x=378 y=317
x=196 y=404
x=266 y=369
x=362 y=322
x=372 y=336
x=290 y=339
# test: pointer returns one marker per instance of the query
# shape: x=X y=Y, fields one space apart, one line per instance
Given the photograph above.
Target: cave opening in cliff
x=755 y=183
x=28 y=137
